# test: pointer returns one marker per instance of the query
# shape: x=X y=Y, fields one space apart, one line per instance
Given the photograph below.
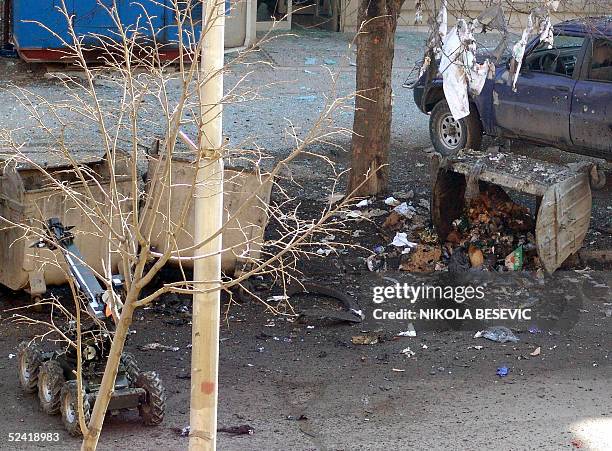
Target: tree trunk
x=373 y=111
x=107 y=386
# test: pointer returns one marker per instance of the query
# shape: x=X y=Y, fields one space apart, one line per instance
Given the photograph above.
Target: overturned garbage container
x=562 y=192
x=29 y=197
x=246 y=196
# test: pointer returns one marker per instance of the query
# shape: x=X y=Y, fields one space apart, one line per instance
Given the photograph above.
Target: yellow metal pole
x=208 y=220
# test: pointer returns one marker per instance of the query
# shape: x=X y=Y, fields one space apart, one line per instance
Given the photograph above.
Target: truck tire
x=153 y=409
x=448 y=135
x=29 y=358
x=131 y=366
x=69 y=407
x=50 y=383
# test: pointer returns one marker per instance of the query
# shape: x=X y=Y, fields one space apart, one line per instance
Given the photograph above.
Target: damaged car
x=562 y=96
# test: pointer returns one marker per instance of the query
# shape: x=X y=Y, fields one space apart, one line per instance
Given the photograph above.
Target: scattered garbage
x=495 y=233
x=401 y=240
x=405 y=210
x=576 y=443
x=364 y=339
x=408 y=352
x=403 y=194
x=514 y=260
x=500 y=334
x=424 y=203
x=277 y=298
x=536 y=352
x=158 y=347
x=10 y=356
x=351 y=311
x=302 y=417
x=476 y=256
x=325 y=252
x=363 y=203
x=535 y=330
x=243 y=429
x=422 y=258
x=375 y=263
x=392 y=201
x=398 y=370
x=502 y=371
x=410 y=332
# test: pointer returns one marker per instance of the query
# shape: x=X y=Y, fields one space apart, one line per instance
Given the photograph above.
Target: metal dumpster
x=239 y=184
x=29 y=198
x=563 y=196
x=92 y=23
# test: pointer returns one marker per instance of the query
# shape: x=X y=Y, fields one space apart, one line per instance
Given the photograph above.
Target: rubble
x=243 y=429
x=502 y=371
x=410 y=332
x=500 y=334
x=158 y=347
x=408 y=352
x=364 y=339
x=422 y=259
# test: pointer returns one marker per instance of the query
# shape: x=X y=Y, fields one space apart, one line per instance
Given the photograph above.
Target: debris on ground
x=500 y=334
x=350 y=310
x=158 y=347
x=514 y=260
x=422 y=259
x=403 y=194
x=409 y=332
x=243 y=429
x=576 y=443
x=364 y=339
x=502 y=371
x=405 y=210
x=536 y=352
x=401 y=240
x=408 y=352
x=535 y=330
x=392 y=201
x=492 y=233
x=298 y=418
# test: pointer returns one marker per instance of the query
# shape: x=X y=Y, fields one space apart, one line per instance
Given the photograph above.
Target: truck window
x=559 y=60
x=601 y=61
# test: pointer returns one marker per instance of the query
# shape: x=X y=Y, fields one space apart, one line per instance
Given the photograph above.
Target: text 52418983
x=33 y=436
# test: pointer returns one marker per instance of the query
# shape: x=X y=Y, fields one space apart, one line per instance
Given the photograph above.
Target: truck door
x=591 y=116
x=540 y=108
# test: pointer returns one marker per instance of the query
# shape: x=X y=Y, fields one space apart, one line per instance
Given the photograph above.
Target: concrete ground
x=311 y=388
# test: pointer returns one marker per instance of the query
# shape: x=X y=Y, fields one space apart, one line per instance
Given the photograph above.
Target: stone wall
x=567 y=10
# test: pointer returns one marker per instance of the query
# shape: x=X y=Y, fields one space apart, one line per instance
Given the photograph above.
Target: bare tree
x=143 y=226
x=373 y=107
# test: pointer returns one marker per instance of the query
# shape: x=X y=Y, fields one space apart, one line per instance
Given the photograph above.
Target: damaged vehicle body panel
x=562 y=98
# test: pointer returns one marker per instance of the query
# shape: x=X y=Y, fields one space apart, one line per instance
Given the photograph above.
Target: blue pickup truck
x=563 y=96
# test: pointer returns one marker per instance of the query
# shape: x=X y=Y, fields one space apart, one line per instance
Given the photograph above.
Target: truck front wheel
x=448 y=135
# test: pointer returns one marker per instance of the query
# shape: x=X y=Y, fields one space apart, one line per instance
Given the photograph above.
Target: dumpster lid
x=519 y=172
x=235 y=160
x=33 y=156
